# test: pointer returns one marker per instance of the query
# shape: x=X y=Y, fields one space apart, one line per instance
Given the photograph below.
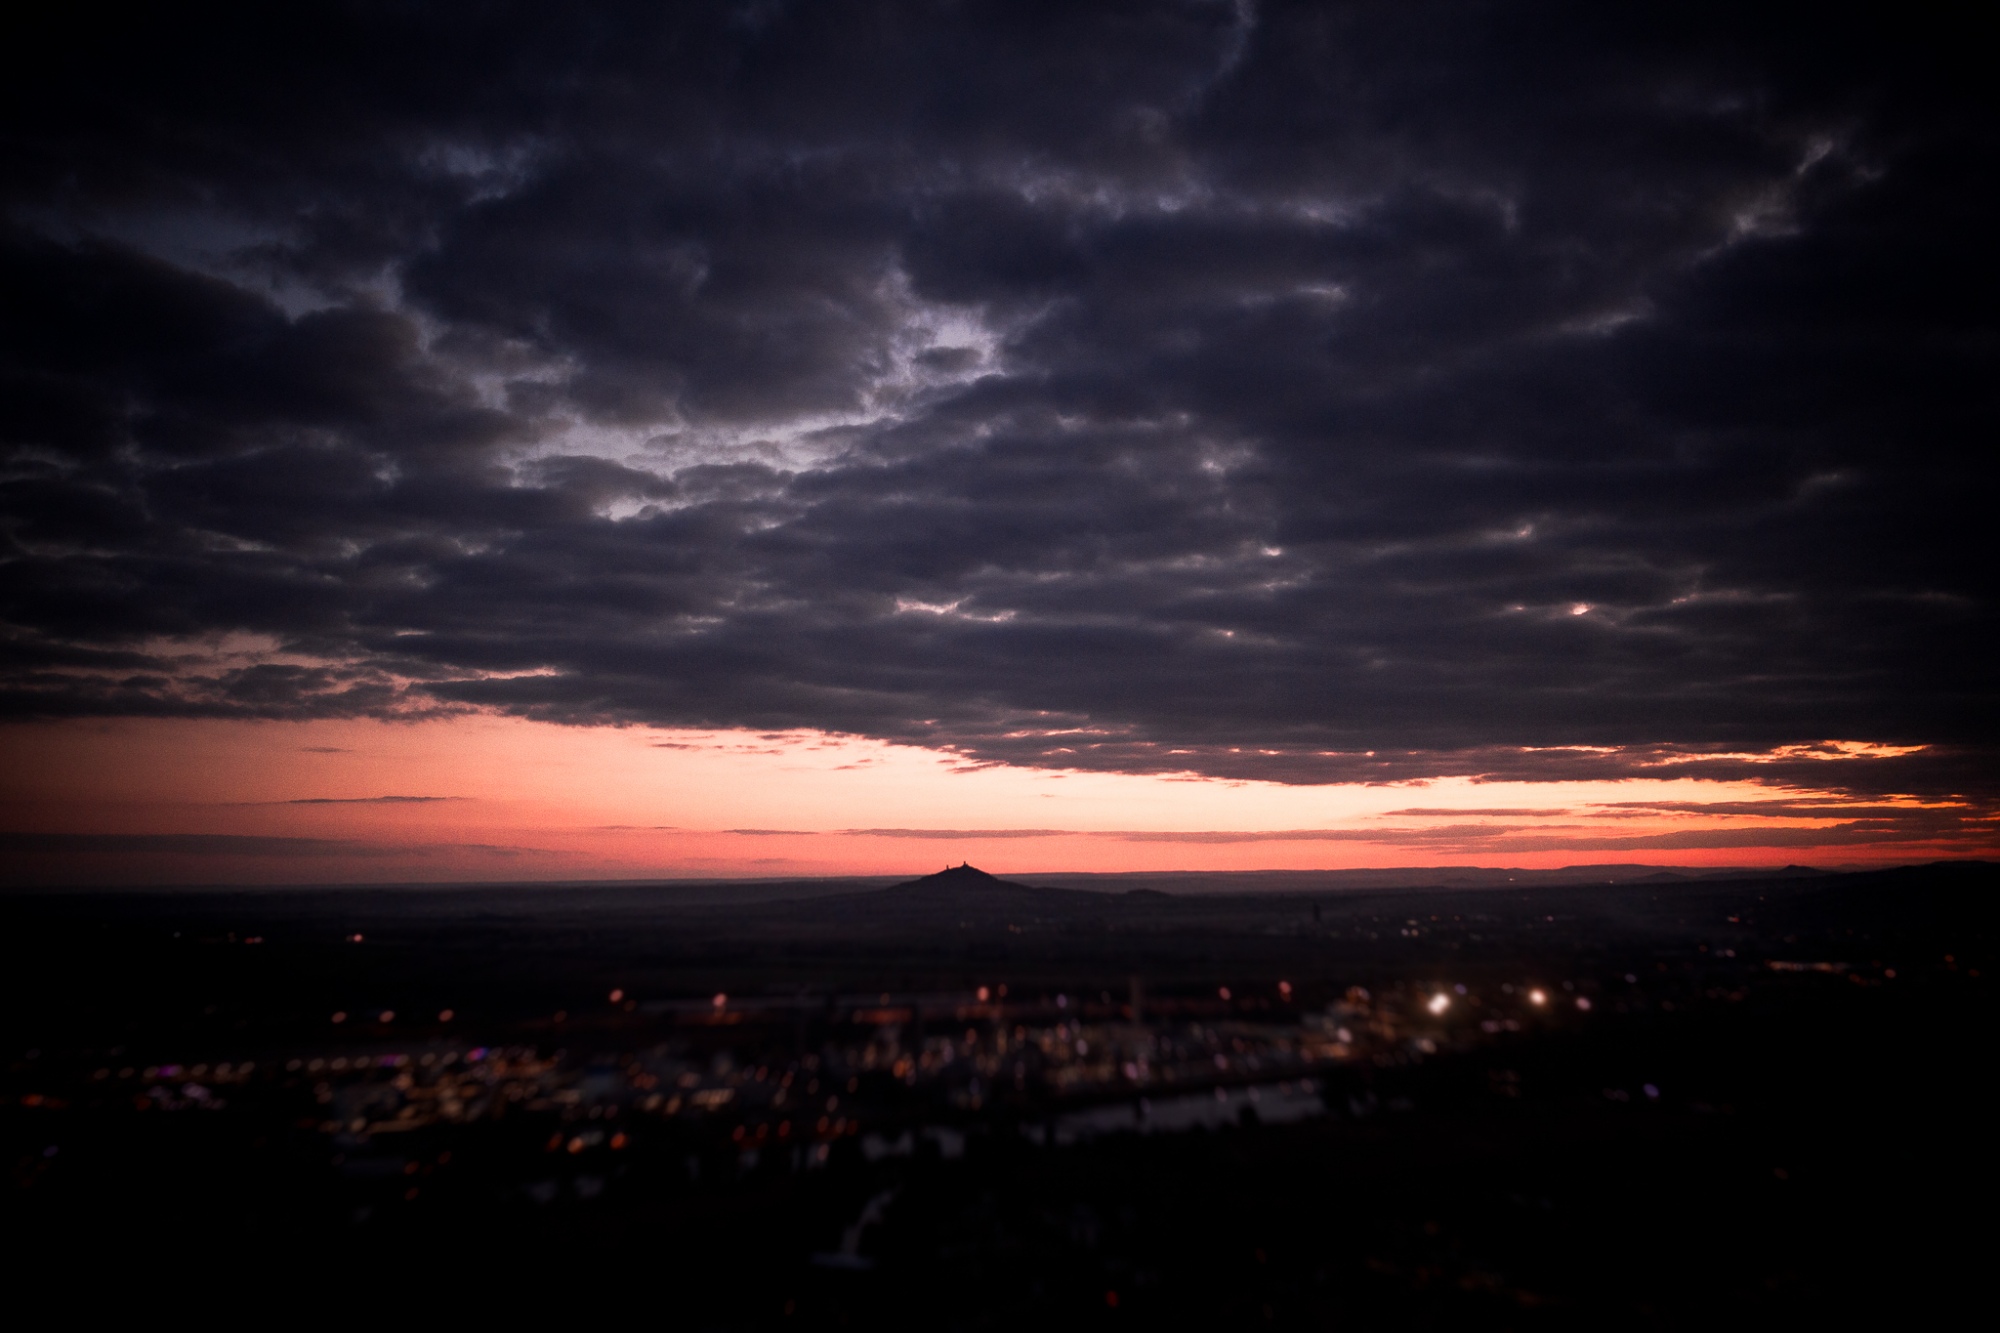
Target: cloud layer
x=1254 y=390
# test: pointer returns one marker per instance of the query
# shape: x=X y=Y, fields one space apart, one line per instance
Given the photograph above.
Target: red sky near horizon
x=484 y=798
x=1180 y=385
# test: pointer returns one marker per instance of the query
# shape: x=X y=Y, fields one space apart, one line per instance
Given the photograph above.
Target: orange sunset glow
x=865 y=665
x=483 y=798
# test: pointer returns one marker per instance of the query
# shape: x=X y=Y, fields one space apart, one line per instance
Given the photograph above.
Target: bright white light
x=1538 y=997
x=1439 y=1003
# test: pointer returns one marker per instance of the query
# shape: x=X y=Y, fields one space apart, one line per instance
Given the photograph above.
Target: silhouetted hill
x=961 y=878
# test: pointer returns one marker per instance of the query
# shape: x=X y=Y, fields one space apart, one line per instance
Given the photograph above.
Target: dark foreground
x=981 y=1106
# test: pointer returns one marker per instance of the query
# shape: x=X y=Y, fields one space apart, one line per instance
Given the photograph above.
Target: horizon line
x=1535 y=878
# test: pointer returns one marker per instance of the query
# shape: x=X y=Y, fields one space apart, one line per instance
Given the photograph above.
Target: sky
x=529 y=442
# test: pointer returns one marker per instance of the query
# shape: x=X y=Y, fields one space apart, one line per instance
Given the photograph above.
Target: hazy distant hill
x=1409 y=877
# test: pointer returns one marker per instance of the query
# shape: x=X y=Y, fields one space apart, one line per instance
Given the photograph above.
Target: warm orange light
x=493 y=798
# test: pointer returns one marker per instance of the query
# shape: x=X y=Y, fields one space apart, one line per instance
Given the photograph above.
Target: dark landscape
x=542 y=547
x=970 y=1103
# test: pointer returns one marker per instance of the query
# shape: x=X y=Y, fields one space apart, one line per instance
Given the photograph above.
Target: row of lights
x=1536 y=996
x=1439 y=1003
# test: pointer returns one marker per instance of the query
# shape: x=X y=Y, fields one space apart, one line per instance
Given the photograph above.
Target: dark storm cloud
x=1277 y=391
x=1807 y=808
x=1893 y=826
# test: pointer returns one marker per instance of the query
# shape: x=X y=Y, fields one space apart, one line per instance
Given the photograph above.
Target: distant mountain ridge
x=1418 y=877
x=960 y=878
